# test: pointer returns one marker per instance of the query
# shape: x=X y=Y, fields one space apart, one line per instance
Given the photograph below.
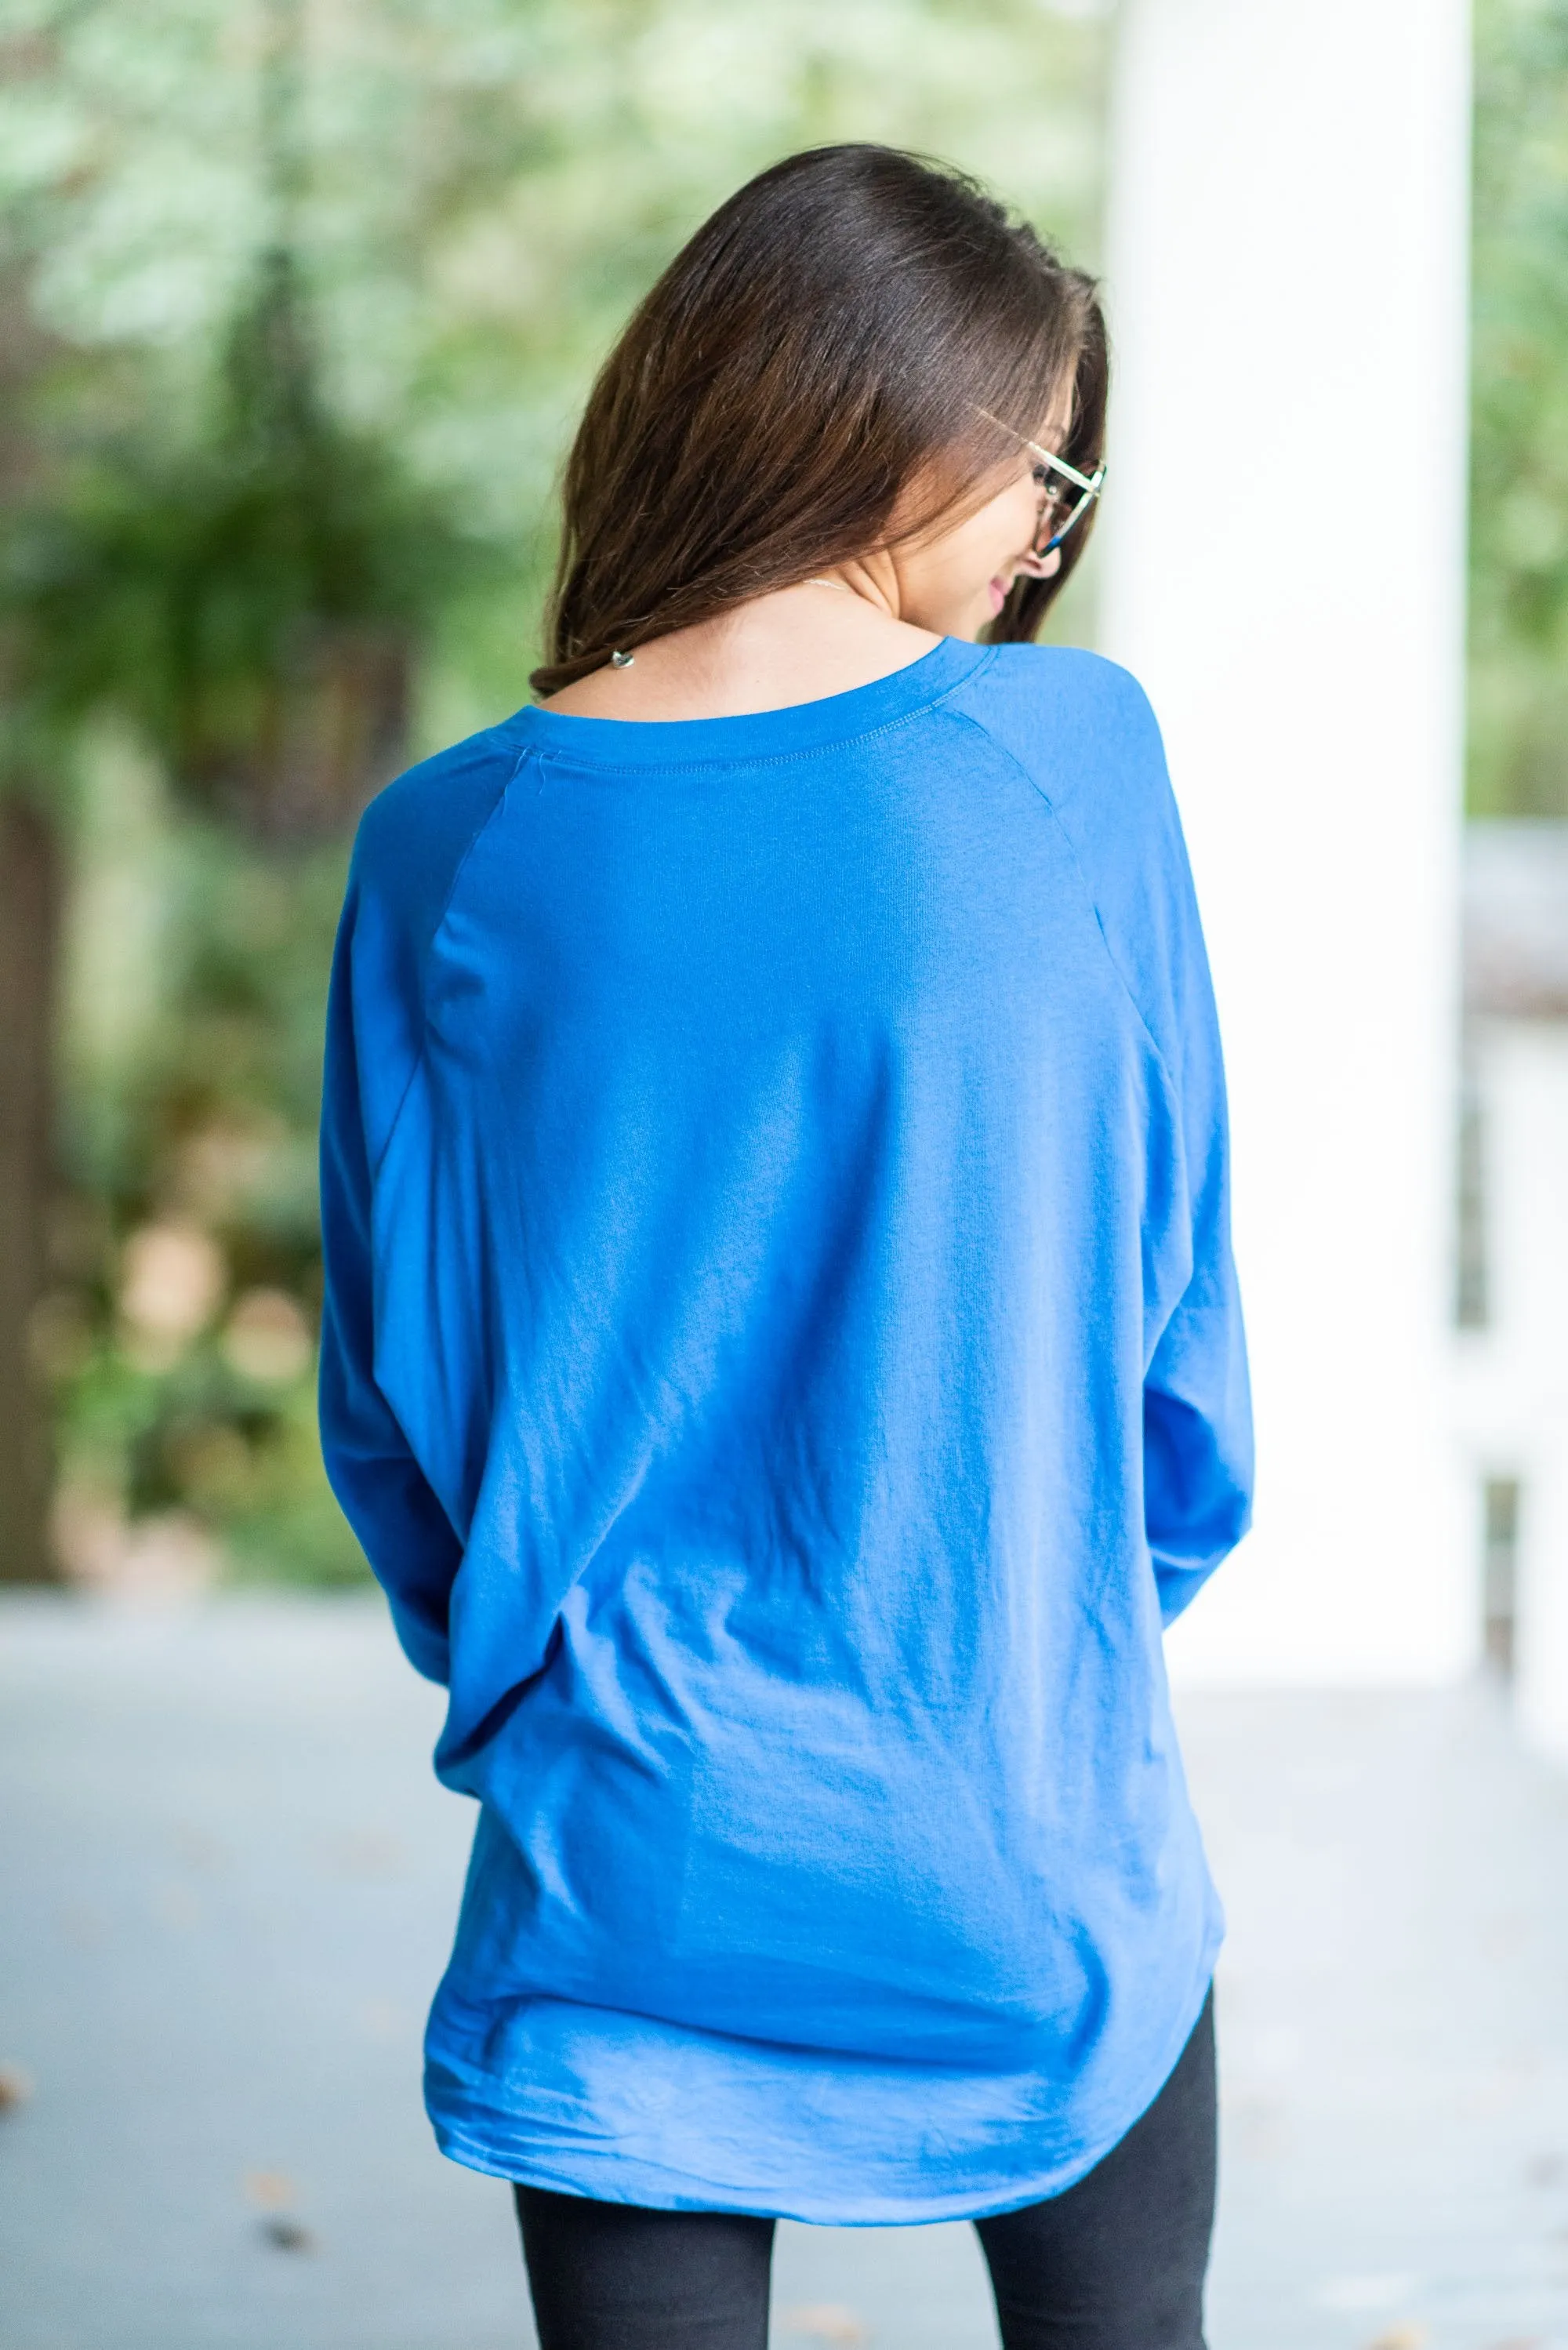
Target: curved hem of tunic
x=617 y=2177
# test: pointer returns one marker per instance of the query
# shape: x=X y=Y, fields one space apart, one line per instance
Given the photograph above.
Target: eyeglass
x=1088 y=486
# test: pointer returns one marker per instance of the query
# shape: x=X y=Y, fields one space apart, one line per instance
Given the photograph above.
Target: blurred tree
x=30 y=927
x=1519 y=597
x=251 y=599
x=249 y=595
x=250 y=592
x=31 y=889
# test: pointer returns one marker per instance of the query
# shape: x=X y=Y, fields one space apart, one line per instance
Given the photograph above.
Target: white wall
x=1284 y=523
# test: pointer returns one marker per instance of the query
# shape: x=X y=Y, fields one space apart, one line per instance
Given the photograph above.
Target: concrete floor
x=228 y=1884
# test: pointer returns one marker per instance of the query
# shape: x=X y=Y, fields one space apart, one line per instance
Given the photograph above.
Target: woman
x=781 y=1351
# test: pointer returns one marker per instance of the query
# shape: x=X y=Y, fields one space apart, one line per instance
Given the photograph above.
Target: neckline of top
x=757 y=733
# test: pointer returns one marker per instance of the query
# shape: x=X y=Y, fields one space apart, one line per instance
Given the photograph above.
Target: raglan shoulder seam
x=460 y=865
x=1002 y=751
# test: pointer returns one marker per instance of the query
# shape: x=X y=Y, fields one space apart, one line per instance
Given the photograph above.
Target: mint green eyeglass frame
x=1088 y=484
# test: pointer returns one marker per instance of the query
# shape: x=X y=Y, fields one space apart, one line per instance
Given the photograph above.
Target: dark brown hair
x=832 y=336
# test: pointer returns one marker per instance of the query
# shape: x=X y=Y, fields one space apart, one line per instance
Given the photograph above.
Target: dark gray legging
x=1117 y=2262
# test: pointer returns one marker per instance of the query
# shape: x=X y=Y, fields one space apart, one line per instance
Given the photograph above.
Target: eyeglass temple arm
x=1093 y=483
x=1090 y=482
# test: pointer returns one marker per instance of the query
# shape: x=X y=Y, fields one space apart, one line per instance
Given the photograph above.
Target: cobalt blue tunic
x=782 y=1357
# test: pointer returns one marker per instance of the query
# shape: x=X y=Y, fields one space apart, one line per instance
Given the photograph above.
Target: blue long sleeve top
x=782 y=1357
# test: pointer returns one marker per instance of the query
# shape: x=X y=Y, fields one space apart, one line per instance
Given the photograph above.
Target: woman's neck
x=798 y=644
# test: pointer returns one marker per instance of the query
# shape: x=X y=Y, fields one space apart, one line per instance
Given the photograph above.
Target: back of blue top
x=782 y=1358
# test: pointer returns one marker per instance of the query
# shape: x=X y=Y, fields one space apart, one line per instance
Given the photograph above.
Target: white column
x=1285 y=572
x=1517 y=1389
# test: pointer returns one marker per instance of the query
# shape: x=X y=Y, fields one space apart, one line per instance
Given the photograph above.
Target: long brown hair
x=852 y=323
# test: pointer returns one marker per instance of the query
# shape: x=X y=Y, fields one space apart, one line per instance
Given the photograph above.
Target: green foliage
x=1519 y=598
x=253 y=601
x=179 y=1340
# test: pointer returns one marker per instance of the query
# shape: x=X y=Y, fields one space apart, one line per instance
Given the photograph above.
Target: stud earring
x=621 y=660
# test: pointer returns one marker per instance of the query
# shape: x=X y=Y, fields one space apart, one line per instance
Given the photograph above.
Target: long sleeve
x=1196 y=1407
x=1197 y=1414
x=404 y=1531
x=1102 y=768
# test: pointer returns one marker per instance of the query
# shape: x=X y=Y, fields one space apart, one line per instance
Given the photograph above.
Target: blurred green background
x=297 y=305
